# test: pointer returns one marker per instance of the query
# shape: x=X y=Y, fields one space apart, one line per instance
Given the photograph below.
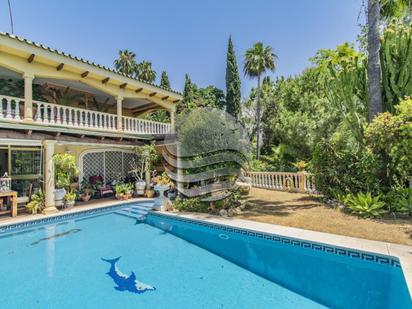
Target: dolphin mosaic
x=124 y=282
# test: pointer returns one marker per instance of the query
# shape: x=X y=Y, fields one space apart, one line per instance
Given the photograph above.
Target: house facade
x=52 y=102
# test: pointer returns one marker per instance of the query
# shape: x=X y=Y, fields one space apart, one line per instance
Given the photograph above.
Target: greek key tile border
x=16 y=227
x=380 y=259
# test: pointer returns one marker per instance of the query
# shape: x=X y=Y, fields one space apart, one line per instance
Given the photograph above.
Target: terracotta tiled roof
x=12 y=36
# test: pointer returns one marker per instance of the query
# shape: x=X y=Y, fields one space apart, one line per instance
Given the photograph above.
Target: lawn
x=307 y=212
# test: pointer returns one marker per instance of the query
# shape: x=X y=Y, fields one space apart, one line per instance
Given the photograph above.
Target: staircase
x=136 y=211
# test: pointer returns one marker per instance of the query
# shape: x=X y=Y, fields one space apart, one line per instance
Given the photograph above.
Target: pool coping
x=402 y=252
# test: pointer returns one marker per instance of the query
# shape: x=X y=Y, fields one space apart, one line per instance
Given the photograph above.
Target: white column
x=119 y=100
x=48 y=147
x=28 y=97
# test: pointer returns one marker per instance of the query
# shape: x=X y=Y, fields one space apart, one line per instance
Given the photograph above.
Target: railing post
x=28 y=97
x=119 y=101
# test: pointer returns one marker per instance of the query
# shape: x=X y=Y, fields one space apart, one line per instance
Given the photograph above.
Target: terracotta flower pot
x=86 y=197
x=119 y=196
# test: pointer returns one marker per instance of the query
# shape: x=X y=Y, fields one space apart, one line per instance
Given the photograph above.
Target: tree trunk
x=410 y=10
x=258 y=121
x=374 y=65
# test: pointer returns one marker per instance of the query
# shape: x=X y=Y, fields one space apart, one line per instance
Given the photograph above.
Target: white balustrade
x=136 y=125
x=298 y=182
x=10 y=107
x=60 y=115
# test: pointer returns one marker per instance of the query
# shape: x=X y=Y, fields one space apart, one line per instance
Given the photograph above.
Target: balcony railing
x=50 y=114
x=282 y=181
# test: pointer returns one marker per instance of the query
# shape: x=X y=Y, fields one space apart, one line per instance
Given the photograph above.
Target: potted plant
x=85 y=195
x=128 y=190
x=142 y=164
x=162 y=184
x=37 y=202
x=65 y=172
x=150 y=192
x=70 y=199
x=120 y=191
x=87 y=190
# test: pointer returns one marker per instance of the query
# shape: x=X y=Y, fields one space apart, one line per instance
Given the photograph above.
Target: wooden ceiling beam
x=143 y=106
x=175 y=101
x=139 y=90
x=84 y=74
x=104 y=81
x=143 y=110
x=165 y=98
x=152 y=94
x=31 y=58
x=60 y=67
x=122 y=86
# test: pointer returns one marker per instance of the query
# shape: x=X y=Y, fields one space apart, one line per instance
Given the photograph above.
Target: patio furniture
x=103 y=188
x=23 y=200
x=13 y=200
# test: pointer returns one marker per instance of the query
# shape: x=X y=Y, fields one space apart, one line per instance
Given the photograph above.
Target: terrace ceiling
x=24 y=57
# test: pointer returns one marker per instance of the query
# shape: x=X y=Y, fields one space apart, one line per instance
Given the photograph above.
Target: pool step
x=137 y=211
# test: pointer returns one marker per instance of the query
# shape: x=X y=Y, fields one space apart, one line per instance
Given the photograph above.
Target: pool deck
x=402 y=252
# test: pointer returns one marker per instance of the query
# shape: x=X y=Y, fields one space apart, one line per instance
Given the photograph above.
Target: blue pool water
x=179 y=264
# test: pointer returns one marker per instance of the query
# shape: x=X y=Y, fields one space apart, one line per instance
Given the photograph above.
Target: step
x=146 y=206
x=139 y=211
x=130 y=215
x=144 y=209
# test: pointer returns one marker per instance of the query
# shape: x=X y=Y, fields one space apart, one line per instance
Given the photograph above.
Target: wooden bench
x=13 y=198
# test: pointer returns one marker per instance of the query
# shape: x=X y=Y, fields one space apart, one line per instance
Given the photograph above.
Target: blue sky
x=187 y=36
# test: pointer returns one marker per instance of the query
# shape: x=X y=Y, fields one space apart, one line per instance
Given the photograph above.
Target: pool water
x=181 y=265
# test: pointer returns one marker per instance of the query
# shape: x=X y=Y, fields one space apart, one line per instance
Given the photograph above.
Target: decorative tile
x=380 y=259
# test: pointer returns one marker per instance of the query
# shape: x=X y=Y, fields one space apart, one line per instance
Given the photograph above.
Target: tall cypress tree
x=233 y=94
x=164 y=81
x=189 y=96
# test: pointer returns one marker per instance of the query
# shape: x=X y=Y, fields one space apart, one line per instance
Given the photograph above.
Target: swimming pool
x=87 y=262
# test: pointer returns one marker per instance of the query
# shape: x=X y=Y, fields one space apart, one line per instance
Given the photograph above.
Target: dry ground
x=304 y=211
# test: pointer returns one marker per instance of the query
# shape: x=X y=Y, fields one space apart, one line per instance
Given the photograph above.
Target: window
x=24 y=166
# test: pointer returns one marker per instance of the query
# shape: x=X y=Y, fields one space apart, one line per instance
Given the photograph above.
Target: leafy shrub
x=342 y=166
x=389 y=138
x=365 y=204
x=124 y=188
x=65 y=169
x=190 y=204
x=37 y=203
x=400 y=200
x=70 y=196
x=232 y=200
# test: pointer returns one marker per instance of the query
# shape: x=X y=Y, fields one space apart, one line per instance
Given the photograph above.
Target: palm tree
x=374 y=65
x=125 y=63
x=145 y=72
x=258 y=60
